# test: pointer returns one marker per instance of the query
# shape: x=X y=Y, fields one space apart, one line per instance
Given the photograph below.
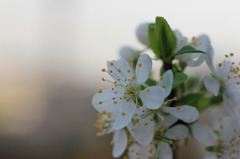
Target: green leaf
x=151 y=82
x=152 y=40
x=186 y=50
x=179 y=78
x=165 y=38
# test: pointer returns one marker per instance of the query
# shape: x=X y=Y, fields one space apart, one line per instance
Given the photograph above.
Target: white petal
x=152 y=97
x=143 y=132
x=177 y=132
x=169 y=120
x=127 y=53
x=186 y=113
x=210 y=155
x=133 y=149
x=119 y=70
x=212 y=85
x=204 y=134
x=167 y=82
x=120 y=143
x=123 y=120
x=142 y=33
x=164 y=151
x=143 y=68
x=229 y=107
x=103 y=101
x=228 y=124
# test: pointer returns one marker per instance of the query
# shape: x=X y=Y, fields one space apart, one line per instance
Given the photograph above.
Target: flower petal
x=167 y=82
x=143 y=68
x=127 y=52
x=125 y=116
x=204 y=134
x=152 y=97
x=103 y=101
x=143 y=131
x=119 y=70
x=164 y=151
x=229 y=107
x=169 y=120
x=210 y=155
x=186 y=113
x=120 y=142
x=142 y=33
x=177 y=132
x=212 y=85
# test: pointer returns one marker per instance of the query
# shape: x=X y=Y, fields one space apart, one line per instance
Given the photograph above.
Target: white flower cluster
x=148 y=118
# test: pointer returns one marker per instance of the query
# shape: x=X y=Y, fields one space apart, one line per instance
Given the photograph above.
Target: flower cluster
x=149 y=117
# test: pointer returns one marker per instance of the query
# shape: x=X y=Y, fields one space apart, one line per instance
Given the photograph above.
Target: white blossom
x=142 y=33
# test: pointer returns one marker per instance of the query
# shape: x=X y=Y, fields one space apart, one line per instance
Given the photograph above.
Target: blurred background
x=51 y=54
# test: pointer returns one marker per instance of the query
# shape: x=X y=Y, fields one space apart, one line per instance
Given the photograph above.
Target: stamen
x=123 y=113
x=100 y=102
x=161 y=77
x=170 y=142
x=100 y=91
x=145 y=124
x=148 y=90
x=163 y=86
x=111 y=63
x=131 y=59
x=103 y=70
x=151 y=119
x=178 y=107
x=139 y=65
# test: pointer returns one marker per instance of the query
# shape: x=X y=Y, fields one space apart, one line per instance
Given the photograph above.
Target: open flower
x=123 y=98
x=161 y=151
x=223 y=143
x=120 y=138
x=201 y=43
x=225 y=78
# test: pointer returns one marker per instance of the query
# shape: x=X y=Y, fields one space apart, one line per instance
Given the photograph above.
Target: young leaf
x=152 y=40
x=165 y=38
x=186 y=50
x=179 y=78
x=151 y=82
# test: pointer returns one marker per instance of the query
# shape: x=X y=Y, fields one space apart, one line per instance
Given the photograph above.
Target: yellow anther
x=100 y=102
x=128 y=71
x=115 y=102
x=119 y=70
x=103 y=70
x=145 y=124
x=123 y=113
x=148 y=90
x=163 y=86
x=178 y=107
x=130 y=139
x=98 y=134
x=137 y=153
x=112 y=143
x=137 y=120
x=132 y=151
x=112 y=88
x=137 y=105
x=176 y=137
x=219 y=140
x=104 y=112
x=132 y=129
x=131 y=59
x=219 y=154
x=103 y=79
x=133 y=77
x=110 y=71
x=113 y=98
x=125 y=157
x=157 y=82
x=161 y=77
x=220 y=64
x=150 y=157
x=135 y=114
x=228 y=77
x=151 y=119
x=139 y=65
x=235 y=130
x=175 y=98
x=231 y=54
x=226 y=56
x=100 y=91
x=230 y=141
x=170 y=142
x=125 y=97
x=239 y=136
x=221 y=126
x=111 y=63
x=151 y=150
x=115 y=92
x=161 y=130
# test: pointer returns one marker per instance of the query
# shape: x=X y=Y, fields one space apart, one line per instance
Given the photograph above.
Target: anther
x=151 y=119
x=137 y=120
x=175 y=98
x=170 y=142
x=178 y=107
x=104 y=112
x=226 y=56
x=100 y=102
x=137 y=105
x=123 y=113
x=111 y=63
x=148 y=90
x=115 y=102
x=103 y=70
x=219 y=154
x=157 y=82
x=176 y=137
x=145 y=124
x=139 y=65
x=112 y=143
x=163 y=86
x=231 y=54
x=161 y=77
x=128 y=71
x=228 y=77
x=100 y=91
x=110 y=71
x=125 y=97
x=131 y=59
x=119 y=70
x=103 y=79
x=150 y=150
x=220 y=64
x=133 y=77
